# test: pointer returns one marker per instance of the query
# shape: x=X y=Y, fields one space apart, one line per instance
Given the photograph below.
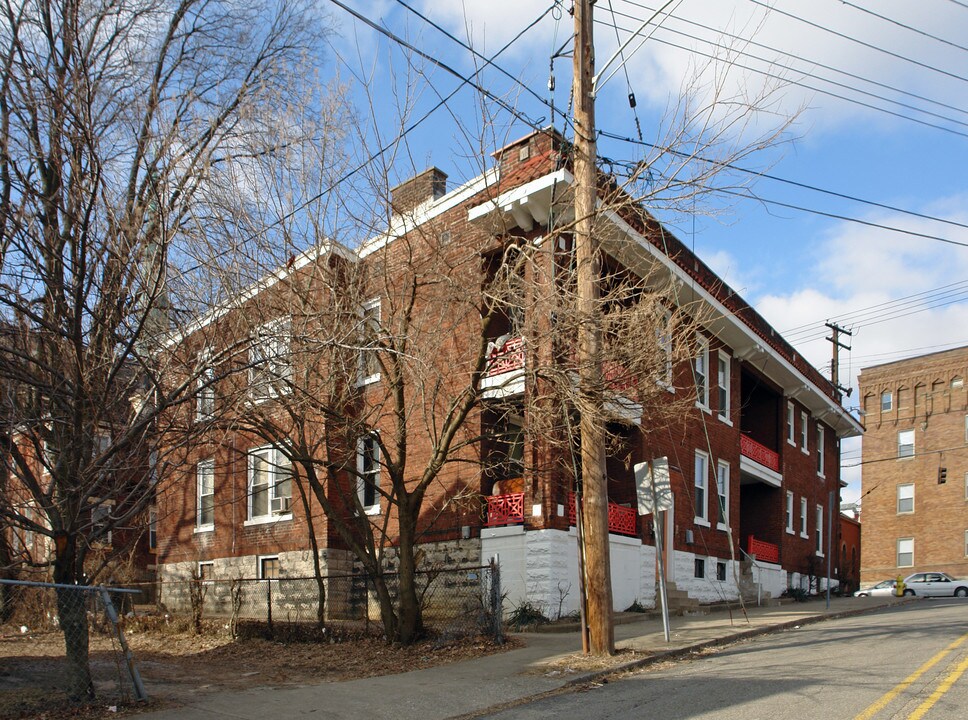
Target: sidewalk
x=469 y=688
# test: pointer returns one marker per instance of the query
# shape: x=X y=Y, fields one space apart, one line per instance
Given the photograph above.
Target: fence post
x=139 y=688
x=497 y=611
x=269 y=606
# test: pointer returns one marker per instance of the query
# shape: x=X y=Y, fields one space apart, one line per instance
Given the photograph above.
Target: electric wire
x=902 y=25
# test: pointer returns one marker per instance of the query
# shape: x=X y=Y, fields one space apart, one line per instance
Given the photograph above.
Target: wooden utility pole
x=598 y=581
x=835 y=364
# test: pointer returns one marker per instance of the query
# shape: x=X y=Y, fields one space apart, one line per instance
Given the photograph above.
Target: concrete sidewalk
x=471 y=687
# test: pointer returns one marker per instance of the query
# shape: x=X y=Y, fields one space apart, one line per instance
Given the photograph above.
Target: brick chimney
x=428 y=185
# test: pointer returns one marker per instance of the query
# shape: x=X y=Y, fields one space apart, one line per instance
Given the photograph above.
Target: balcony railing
x=748 y=447
x=505 y=357
x=767 y=552
x=621 y=519
x=505 y=509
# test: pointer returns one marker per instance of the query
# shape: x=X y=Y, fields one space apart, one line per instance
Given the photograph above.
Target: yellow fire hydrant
x=899 y=586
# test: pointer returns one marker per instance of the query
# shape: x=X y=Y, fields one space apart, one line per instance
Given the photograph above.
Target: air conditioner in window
x=281 y=506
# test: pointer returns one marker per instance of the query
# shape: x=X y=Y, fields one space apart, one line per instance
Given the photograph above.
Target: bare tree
x=113 y=119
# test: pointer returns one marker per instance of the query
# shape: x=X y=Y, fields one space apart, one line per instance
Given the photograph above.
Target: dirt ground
x=176 y=665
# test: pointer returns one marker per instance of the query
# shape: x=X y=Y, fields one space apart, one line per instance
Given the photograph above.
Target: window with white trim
x=270 y=360
x=723 y=377
x=905 y=498
x=819 y=533
x=368 y=473
x=269 y=567
x=803 y=517
x=804 y=433
x=206 y=571
x=905 y=443
x=905 y=552
x=699 y=568
x=270 y=485
x=702 y=371
x=722 y=489
x=205 y=494
x=205 y=397
x=820 y=450
x=791 y=425
x=789 y=512
x=101 y=523
x=369 y=370
x=701 y=496
x=887 y=401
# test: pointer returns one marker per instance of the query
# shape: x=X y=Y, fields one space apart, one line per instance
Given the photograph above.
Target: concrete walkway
x=471 y=687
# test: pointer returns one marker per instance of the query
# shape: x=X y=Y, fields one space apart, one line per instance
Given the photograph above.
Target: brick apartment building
x=754 y=461
x=915 y=473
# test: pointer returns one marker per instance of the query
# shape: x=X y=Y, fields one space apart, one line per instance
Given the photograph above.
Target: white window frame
x=819 y=531
x=887 y=401
x=701 y=370
x=205 y=397
x=791 y=425
x=699 y=568
x=701 y=488
x=364 y=443
x=260 y=570
x=905 y=542
x=370 y=318
x=901 y=453
x=803 y=518
x=204 y=488
x=820 y=451
x=722 y=495
x=789 y=512
x=278 y=504
x=905 y=491
x=270 y=360
x=724 y=384
x=804 y=433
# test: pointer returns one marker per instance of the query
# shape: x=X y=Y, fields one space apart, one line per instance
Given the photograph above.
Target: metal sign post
x=655 y=497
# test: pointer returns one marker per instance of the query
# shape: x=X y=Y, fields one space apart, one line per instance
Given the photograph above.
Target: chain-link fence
x=62 y=643
x=455 y=602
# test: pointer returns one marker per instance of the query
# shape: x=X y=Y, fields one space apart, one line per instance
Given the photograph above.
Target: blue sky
x=798 y=268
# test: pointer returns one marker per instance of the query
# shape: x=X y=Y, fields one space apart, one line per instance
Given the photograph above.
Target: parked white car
x=935 y=584
x=885 y=587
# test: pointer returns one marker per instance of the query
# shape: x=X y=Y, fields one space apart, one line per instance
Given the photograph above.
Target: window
x=153 y=529
x=905 y=498
x=206 y=572
x=702 y=372
x=789 y=512
x=205 y=495
x=270 y=485
x=702 y=488
x=270 y=363
x=966 y=543
x=699 y=569
x=966 y=428
x=905 y=443
x=370 y=333
x=887 y=401
x=269 y=567
x=205 y=399
x=966 y=486
x=724 y=386
x=100 y=523
x=721 y=571
x=905 y=552
x=791 y=425
x=506 y=457
x=722 y=487
x=957 y=382
x=819 y=517
x=368 y=471
x=820 y=450
x=803 y=517
x=903 y=397
x=804 y=431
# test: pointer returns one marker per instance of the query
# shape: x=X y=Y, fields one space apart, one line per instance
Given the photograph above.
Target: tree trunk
x=72 y=614
x=410 y=614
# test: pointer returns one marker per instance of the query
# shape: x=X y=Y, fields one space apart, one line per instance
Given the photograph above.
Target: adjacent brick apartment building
x=754 y=461
x=915 y=472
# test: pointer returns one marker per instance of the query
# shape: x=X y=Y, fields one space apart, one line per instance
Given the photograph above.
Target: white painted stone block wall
x=706 y=589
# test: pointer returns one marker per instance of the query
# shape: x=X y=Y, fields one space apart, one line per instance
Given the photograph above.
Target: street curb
x=716 y=642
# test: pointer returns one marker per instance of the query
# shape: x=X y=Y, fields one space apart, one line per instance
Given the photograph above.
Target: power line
x=902 y=25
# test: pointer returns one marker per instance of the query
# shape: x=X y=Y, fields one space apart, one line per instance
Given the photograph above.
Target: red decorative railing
x=505 y=509
x=506 y=357
x=621 y=519
x=767 y=552
x=616 y=377
x=759 y=453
